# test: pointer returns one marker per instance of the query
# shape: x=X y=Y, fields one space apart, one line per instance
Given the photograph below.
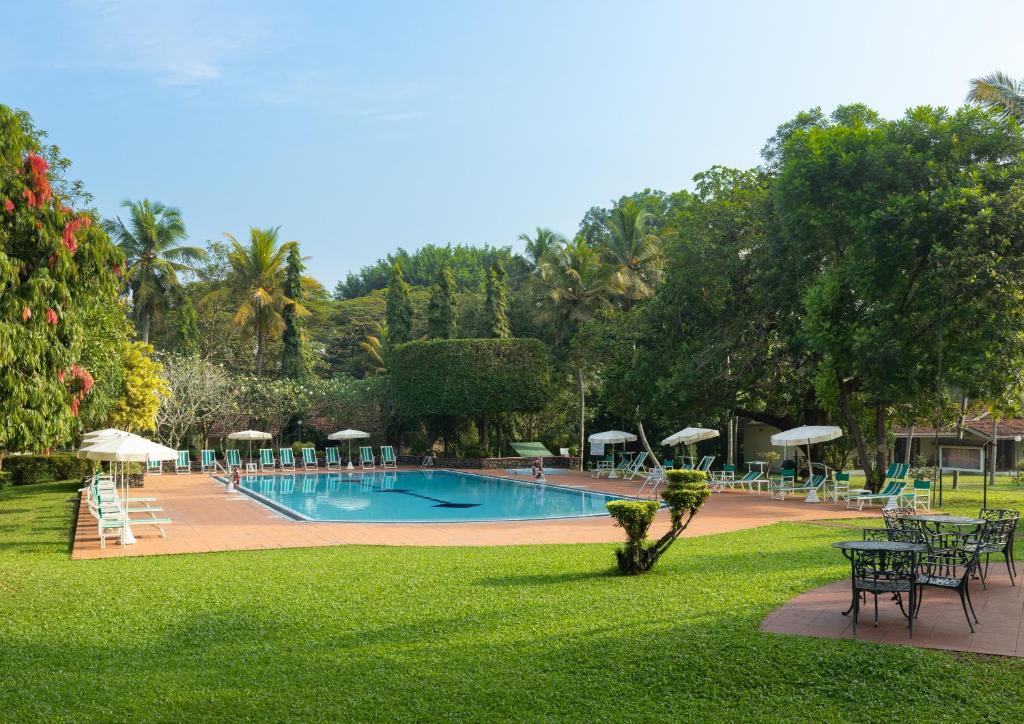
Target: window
x=961 y=458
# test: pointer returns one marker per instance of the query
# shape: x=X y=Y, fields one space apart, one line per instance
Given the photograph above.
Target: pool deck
x=206 y=519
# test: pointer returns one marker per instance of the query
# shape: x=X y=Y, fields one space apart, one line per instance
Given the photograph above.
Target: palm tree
x=257 y=277
x=999 y=92
x=634 y=250
x=575 y=284
x=154 y=255
x=537 y=245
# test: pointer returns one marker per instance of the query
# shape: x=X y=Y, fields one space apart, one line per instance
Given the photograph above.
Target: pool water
x=434 y=496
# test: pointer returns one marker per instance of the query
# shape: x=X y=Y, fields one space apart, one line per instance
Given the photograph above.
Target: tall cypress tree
x=188 y=328
x=441 y=310
x=496 y=304
x=293 y=357
x=399 y=308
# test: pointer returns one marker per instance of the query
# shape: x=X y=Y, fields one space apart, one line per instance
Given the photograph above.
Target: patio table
x=873 y=545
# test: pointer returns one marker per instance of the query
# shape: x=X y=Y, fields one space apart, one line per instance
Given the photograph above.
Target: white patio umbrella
x=250 y=435
x=613 y=438
x=123 y=448
x=349 y=435
x=807 y=435
x=103 y=434
x=689 y=436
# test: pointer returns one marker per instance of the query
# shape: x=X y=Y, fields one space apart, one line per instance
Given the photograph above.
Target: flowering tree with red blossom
x=52 y=259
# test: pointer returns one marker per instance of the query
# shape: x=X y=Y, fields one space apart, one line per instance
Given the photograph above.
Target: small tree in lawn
x=685 y=493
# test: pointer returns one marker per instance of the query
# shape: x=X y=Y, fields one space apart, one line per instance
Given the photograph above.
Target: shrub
x=30 y=469
x=5 y=479
x=685 y=493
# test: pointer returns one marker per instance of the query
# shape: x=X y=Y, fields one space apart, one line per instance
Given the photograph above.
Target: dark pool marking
x=440 y=503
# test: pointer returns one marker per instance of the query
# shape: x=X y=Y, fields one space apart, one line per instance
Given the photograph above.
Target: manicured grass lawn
x=522 y=633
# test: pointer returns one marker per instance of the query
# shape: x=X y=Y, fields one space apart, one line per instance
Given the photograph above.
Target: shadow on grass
x=546 y=579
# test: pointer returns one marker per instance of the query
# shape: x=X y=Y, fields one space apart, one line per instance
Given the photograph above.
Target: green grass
x=521 y=633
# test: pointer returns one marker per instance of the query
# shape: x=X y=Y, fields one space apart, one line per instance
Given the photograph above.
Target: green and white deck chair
x=331 y=458
x=111 y=495
x=111 y=520
x=233 y=459
x=809 y=487
x=366 y=458
x=113 y=501
x=267 y=461
x=287 y=458
x=635 y=467
x=387 y=457
x=602 y=467
x=309 y=459
x=920 y=496
x=887 y=496
x=705 y=464
x=184 y=463
x=748 y=481
x=654 y=478
x=897 y=471
x=154 y=467
x=208 y=460
x=840 y=487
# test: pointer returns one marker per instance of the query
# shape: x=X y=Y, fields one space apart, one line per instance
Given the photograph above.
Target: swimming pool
x=429 y=496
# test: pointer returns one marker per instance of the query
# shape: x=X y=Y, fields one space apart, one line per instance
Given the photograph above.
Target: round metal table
x=873 y=545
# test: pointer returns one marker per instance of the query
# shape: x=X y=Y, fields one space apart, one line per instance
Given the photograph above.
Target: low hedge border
x=32 y=469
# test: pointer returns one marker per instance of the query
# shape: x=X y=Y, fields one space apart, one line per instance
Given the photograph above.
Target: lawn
x=522 y=633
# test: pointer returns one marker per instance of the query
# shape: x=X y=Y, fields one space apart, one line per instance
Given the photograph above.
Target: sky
x=362 y=127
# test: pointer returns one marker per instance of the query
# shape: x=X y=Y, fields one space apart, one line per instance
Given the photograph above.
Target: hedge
x=30 y=469
x=5 y=479
x=465 y=377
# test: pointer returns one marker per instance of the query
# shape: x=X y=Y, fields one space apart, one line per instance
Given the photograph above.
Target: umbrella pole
x=812 y=494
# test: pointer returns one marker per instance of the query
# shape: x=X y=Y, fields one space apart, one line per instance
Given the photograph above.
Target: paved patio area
x=940 y=625
x=206 y=518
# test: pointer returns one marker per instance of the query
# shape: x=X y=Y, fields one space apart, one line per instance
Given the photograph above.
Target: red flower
x=9 y=205
x=51 y=316
x=37 y=168
x=53 y=261
x=29 y=197
x=117 y=270
x=74 y=406
x=26 y=314
x=60 y=375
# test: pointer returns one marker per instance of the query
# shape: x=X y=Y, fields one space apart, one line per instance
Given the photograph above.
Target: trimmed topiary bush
x=685 y=493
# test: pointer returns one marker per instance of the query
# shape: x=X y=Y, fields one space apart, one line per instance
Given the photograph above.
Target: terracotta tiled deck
x=940 y=625
x=206 y=518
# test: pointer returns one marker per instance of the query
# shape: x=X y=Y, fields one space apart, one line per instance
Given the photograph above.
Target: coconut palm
x=151 y=242
x=575 y=284
x=999 y=92
x=257 y=279
x=537 y=245
x=634 y=250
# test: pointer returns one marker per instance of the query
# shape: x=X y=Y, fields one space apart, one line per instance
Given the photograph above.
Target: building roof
x=1009 y=428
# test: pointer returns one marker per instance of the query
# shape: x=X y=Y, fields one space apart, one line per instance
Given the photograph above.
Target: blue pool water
x=434 y=496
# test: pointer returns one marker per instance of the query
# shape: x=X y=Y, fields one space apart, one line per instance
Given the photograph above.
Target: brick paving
x=206 y=518
x=940 y=624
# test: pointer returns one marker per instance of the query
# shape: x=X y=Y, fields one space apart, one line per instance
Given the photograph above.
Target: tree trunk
x=146 y=317
x=259 y=352
x=583 y=412
x=995 y=451
x=881 y=449
x=855 y=432
x=643 y=438
x=485 y=435
x=910 y=444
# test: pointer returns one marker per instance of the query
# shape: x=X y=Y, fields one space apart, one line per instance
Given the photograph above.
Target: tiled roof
x=1009 y=428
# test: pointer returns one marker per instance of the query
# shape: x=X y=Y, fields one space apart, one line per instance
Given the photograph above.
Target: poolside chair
x=232 y=459
x=366 y=461
x=207 y=460
x=267 y=461
x=748 y=481
x=705 y=464
x=428 y=461
x=654 y=478
x=602 y=467
x=387 y=457
x=809 y=486
x=839 y=488
x=154 y=467
x=287 y=458
x=920 y=496
x=184 y=463
x=112 y=518
x=897 y=471
x=309 y=459
x=563 y=452
x=888 y=496
x=331 y=458
x=726 y=475
x=633 y=469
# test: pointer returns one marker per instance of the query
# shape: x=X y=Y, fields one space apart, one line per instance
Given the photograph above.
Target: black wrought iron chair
x=952 y=570
x=897 y=518
x=881 y=573
x=994 y=538
x=899 y=535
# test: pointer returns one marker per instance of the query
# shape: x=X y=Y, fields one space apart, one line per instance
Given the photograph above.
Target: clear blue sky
x=362 y=127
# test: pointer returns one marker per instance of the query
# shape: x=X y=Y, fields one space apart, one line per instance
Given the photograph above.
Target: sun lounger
x=705 y=464
x=309 y=459
x=633 y=469
x=287 y=458
x=154 y=467
x=809 y=487
x=888 y=496
x=331 y=458
x=184 y=463
x=366 y=461
x=113 y=519
x=232 y=459
x=387 y=457
x=267 y=461
x=208 y=460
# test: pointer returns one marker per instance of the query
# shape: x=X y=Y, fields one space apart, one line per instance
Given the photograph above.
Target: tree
x=103 y=354
x=398 y=314
x=257 y=278
x=199 y=393
x=441 y=309
x=634 y=249
x=538 y=245
x=188 y=328
x=142 y=392
x=496 y=302
x=293 y=357
x=151 y=243
x=1000 y=93
x=54 y=262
